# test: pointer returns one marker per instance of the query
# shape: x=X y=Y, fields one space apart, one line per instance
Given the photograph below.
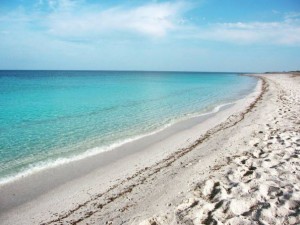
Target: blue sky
x=203 y=35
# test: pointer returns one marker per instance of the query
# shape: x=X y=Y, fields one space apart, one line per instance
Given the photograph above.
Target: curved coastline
x=63 y=172
x=44 y=165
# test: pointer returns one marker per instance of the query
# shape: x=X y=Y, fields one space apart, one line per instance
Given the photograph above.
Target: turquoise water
x=50 y=117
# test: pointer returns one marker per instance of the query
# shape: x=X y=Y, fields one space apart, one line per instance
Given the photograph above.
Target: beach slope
x=259 y=181
x=240 y=166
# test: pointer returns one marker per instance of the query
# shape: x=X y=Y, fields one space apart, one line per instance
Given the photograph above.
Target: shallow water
x=53 y=116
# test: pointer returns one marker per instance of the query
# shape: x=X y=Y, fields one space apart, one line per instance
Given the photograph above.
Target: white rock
x=208 y=188
x=148 y=222
x=293 y=220
x=282 y=211
x=291 y=204
x=239 y=221
x=256 y=153
x=188 y=204
x=267 y=190
x=239 y=206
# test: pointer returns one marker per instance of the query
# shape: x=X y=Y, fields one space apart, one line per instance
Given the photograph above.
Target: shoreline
x=38 y=186
x=256 y=181
x=186 y=122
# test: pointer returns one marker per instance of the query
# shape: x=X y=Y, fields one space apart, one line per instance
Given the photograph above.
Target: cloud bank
x=286 y=32
x=140 y=35
x=152 y=20
x=71 y=20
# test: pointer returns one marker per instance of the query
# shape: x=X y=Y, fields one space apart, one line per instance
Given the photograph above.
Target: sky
x=187 y=35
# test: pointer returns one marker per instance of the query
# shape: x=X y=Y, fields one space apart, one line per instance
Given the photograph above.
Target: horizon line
x=110 y=70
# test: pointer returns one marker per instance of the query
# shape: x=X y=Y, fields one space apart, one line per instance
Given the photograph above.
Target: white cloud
x=71 y=19
x=75 y=20
x=285 y=32
x=154 y=20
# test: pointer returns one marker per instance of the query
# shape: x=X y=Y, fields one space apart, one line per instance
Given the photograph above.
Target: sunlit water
x=51 y=117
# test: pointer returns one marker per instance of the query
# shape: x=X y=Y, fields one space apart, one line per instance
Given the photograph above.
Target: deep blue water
x=48 y=117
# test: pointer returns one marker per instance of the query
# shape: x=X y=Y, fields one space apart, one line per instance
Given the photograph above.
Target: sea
x=48 y=118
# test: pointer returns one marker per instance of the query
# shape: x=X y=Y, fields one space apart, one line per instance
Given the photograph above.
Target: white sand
x=222 y=170
x=260 y=183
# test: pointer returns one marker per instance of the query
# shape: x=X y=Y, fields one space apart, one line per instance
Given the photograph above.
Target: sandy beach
x=239 y=165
